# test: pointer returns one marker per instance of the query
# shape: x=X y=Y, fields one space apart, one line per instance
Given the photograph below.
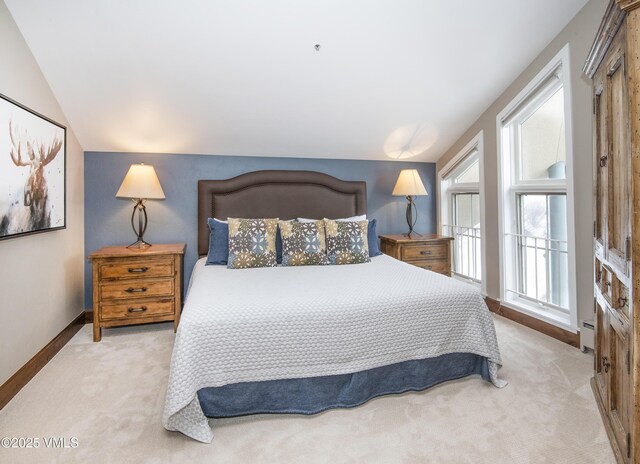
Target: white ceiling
x=393 y=78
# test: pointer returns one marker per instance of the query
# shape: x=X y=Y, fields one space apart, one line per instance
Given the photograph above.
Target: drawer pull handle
x=603 y=161
x=141 y=309
x=428 y=268
x=138 y=270
x=425 y=252
x=606 y=364
x=622 y=302
x=136 y=290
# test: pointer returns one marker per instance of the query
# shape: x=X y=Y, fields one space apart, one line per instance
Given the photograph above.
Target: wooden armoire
x=614 y=67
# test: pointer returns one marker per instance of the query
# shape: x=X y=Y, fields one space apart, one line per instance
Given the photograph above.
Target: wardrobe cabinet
x=614 y=67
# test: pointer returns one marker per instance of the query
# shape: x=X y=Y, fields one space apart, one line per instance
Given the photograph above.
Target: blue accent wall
x=107 y=219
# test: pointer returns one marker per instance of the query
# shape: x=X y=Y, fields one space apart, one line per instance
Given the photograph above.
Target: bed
x=306 y=339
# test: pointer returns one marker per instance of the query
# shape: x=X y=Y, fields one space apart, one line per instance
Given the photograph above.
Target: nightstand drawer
x=420 y=252
x=137 y=309
x=430 y=251
x=140 y=288
x=441 y=267
x=135 y=268
x=136 y=285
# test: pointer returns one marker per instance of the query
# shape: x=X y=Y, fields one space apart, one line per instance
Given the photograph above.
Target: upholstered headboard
x=281 y=194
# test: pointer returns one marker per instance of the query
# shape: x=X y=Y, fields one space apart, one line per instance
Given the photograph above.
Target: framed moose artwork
x=32 y=171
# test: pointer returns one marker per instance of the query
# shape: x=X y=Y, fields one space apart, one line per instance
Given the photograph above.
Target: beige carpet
x=110 y=395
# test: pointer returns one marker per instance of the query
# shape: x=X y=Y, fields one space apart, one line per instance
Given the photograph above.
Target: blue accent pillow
x=372 y=238
x=219 y=243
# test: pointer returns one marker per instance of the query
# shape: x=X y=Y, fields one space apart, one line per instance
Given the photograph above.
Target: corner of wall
x=42 y=275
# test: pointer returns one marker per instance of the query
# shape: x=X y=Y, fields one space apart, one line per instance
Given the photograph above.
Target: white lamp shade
x=409 y=183
x=141 y=182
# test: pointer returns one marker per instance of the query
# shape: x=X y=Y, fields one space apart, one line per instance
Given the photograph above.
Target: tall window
x=535 y=261
x=461 y=211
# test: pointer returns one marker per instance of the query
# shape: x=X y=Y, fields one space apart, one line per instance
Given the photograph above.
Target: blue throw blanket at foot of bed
x=316 y=394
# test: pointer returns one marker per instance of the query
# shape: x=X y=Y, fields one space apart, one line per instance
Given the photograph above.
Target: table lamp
x=140 y=184
x=410 y=185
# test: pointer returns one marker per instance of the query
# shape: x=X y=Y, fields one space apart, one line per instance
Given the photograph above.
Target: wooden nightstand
x=432 y=252
x=132 y=286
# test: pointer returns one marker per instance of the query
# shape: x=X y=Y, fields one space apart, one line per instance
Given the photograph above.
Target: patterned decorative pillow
x=252 y=243
x=347 y=242
x=303 y=244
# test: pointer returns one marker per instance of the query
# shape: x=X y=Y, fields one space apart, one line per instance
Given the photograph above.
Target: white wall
x=579 y=34
x=41 y=276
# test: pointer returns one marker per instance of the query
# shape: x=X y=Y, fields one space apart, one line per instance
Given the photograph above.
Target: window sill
x=547 y=315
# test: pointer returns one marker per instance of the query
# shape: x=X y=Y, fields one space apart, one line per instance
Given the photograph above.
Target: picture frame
x=33 y=171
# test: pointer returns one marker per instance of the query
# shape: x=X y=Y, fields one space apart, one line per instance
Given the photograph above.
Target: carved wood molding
x=609 y=26
x=628 y=5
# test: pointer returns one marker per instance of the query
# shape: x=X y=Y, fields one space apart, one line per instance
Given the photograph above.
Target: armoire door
x=600 y=172
x=618 y=157
x=601 y=350
x=619 y=381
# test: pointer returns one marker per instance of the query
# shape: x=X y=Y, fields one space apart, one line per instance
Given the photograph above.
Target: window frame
x=511 y=186
x=520 y=285
x=546 y=90
x=453 y=221
x=446 y=190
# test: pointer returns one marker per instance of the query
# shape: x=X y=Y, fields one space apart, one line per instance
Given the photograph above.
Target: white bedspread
x=247 y=325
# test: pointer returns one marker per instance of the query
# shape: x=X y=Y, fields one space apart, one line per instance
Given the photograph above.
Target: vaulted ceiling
x=392 y=79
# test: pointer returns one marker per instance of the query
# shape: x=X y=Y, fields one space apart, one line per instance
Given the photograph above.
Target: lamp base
x=139 y=244
x=411 y=220
x=138 y=206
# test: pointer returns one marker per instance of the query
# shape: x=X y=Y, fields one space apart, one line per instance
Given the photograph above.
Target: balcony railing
x=467 y=251
x=541 y=270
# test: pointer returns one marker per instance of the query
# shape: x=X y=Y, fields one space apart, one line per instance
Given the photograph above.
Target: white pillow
x=349 y=219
